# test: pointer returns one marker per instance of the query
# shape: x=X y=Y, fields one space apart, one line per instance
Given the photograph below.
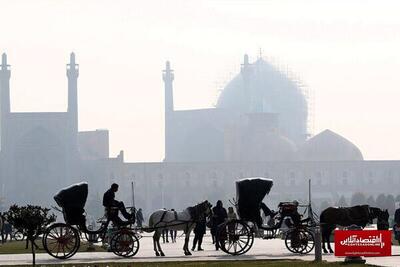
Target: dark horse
x=357 y=215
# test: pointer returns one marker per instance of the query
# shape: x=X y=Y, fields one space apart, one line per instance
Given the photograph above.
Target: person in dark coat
x=173 y=233
x=396 y=227
x=219 y=216
x=109 y=202
x=7 y=231
x=199 y=232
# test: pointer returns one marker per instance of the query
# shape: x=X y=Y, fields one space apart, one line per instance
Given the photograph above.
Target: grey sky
x=347 y=52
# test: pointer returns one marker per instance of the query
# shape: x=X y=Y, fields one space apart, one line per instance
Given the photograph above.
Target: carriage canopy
x=72 y=200
x=249 y=194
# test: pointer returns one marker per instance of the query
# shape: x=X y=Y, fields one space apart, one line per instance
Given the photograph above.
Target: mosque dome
x=329 y=146
x=260 y=87
x=268 y=147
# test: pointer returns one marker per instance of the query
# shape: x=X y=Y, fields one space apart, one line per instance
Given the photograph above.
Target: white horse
x=172 y=220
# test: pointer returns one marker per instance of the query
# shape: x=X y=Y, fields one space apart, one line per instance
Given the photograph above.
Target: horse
x=346 y=216
x=172 y=220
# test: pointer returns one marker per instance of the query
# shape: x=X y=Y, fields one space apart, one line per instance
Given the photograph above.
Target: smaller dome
x=329 y=146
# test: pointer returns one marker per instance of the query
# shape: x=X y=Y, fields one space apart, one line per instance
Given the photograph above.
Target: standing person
x=139 y=218
x=220 y=216
x=165 y=235
x=7 y=231
x=173 y=233
x=231 y=214
x=396 y=227
x=199 y=232
x=2 y=219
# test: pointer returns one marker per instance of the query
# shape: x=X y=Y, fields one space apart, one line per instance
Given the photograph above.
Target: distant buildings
x=258 y=128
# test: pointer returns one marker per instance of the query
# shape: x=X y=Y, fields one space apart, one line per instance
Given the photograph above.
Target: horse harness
x=165 y=212
x=178 y=222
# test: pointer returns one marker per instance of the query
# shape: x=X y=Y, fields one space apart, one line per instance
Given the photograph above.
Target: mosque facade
x=258 y=128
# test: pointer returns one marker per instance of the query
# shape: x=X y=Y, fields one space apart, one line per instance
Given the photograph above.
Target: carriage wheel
x=235 y=237
x=307 y=241
x=61 y=241
x=19 y=236
x=299 y=241
x=125 y=243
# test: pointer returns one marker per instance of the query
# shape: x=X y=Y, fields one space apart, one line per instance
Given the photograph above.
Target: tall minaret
x=246 y=71
x=72 y=74
x=5 y=74
x=168 y=77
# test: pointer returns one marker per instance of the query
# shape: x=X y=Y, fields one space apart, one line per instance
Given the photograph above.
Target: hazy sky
x=347 y=52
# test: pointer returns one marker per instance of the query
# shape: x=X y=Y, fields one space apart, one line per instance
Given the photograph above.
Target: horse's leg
x=186 y=245
x=323 y=234
x=159 y=246
x=155 y=242
x=330 y=229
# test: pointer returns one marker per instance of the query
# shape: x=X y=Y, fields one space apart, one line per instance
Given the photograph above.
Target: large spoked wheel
x=299 y=241
x=125 y=243
x=61 y=241
x=307 y=241
x=235 y=237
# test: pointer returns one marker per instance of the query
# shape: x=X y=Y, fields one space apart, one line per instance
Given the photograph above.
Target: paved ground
x=262 y=249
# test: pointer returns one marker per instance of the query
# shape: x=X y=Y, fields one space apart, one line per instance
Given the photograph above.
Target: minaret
x=168 y=77
x=5 y=74
x=246 y=71
x=72 y=74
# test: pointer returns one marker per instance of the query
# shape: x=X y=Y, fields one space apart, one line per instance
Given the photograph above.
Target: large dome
x=260 y=87
x=329 y=146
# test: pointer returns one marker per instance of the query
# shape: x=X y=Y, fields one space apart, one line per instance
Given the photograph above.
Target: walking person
x=199 y=232
x=220 y=216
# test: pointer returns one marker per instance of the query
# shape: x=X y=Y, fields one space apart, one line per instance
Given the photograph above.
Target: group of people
x=219 y=216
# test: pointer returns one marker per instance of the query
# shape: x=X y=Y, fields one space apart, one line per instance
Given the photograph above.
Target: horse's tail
x=322 y=218
x=150 y=228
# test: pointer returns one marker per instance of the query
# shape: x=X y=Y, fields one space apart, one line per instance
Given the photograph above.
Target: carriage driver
x=110 y=202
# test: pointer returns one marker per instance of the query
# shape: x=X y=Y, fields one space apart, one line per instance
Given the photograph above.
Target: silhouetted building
x=258 y=128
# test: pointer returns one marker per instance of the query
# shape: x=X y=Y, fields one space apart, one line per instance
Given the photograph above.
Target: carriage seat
x=289 y=209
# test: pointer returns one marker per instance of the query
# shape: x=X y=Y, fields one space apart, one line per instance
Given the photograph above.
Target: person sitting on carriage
x=267 y=211
x=110 y=204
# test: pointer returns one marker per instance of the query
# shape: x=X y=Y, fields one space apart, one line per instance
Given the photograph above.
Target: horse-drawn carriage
x=236 y=237
x=62 y=240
